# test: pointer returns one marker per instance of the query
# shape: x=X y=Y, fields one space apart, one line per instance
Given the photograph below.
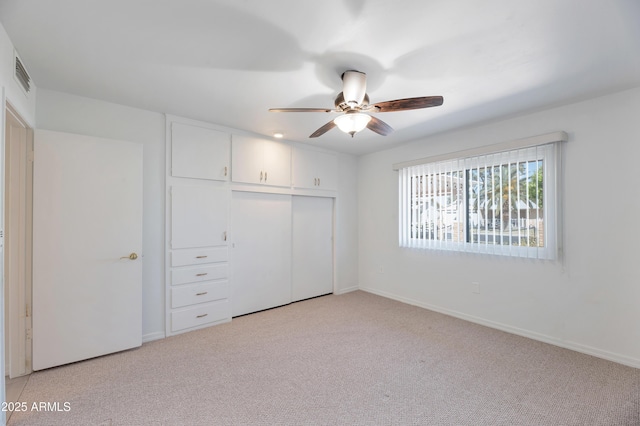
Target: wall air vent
x=22 y=76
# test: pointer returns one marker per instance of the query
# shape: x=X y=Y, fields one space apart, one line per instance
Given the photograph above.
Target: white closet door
x=87 y=220
x=312 y=269
x=261 y=251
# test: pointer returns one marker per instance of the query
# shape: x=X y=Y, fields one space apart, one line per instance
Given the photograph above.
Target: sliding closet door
x=312 y=269
x=260 y=251
x=87 y=247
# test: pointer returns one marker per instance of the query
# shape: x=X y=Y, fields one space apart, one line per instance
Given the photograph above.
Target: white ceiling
x=229 y=61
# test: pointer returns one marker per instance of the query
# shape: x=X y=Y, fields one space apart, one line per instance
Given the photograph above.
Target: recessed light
x=278 y=135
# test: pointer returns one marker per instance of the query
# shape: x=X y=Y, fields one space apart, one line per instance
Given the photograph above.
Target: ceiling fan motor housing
x=354 y=87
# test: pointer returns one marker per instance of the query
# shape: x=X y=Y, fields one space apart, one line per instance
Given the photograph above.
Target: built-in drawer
x=204 y=273
x=192 y=294
x=201 y=314
x=199 y=256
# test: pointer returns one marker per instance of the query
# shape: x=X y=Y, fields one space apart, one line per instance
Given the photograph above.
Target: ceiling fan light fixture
x=354 y=87
x=352 y=123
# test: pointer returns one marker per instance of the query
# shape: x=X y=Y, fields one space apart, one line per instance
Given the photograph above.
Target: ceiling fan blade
x=408 y=103
x=379 y=126
x=324 y=129
x=300 y=110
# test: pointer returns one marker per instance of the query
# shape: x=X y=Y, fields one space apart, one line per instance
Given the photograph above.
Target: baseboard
x=588 y=350
x=152 y=336
x=347 y=290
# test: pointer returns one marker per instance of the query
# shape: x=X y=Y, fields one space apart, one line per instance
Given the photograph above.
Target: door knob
x=132 y=256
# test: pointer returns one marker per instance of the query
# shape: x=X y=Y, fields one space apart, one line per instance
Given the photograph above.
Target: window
x=501 y=202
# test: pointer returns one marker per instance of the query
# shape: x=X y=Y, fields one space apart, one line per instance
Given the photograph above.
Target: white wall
x=74 y=114
x=590 y=300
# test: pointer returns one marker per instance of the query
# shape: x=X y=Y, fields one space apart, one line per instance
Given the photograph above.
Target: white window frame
x=545 y=147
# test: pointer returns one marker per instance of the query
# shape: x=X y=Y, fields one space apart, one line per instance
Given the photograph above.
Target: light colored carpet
x=354 y=359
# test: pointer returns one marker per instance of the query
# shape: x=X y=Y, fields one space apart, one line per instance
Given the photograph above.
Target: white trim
x=347 y=290
x=150 y=337
x=574 y=346
x=547 y=138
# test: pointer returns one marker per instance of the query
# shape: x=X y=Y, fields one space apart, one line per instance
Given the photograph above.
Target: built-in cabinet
x=199 y=215
x=314 y=169
x=199 y=152
x=249 y=224
x=260 y=161
x=198 y=290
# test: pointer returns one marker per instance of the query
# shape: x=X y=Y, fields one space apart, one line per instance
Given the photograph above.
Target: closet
x=249 y=224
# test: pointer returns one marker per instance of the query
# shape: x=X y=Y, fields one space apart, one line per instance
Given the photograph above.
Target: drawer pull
x=202 y=316
x=202 y=274
x=202 y=293
x=201 y=257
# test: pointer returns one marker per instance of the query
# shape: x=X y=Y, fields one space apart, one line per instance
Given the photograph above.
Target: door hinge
x=27 y=311
x=30 y=156
x=29 y=334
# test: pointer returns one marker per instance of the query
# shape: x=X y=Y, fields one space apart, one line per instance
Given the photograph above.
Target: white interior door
x=17 y=256
x=87 y=292
x=312 y=236
x=261 y=251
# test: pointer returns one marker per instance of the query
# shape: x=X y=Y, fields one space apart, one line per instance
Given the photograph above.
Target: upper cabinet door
x=314 y=169
x=198 y=152
x=246 y=160
x=259 y=161
x=277 y=163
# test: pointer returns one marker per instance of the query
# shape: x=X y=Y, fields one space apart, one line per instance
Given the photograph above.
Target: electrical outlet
x=475 y=287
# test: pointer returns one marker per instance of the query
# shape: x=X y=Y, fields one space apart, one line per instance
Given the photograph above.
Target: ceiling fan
x=353 y=103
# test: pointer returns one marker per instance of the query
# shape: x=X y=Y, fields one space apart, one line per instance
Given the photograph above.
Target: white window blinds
x=501 y=203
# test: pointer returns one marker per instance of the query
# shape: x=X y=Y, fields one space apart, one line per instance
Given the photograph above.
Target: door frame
x=17 y=292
